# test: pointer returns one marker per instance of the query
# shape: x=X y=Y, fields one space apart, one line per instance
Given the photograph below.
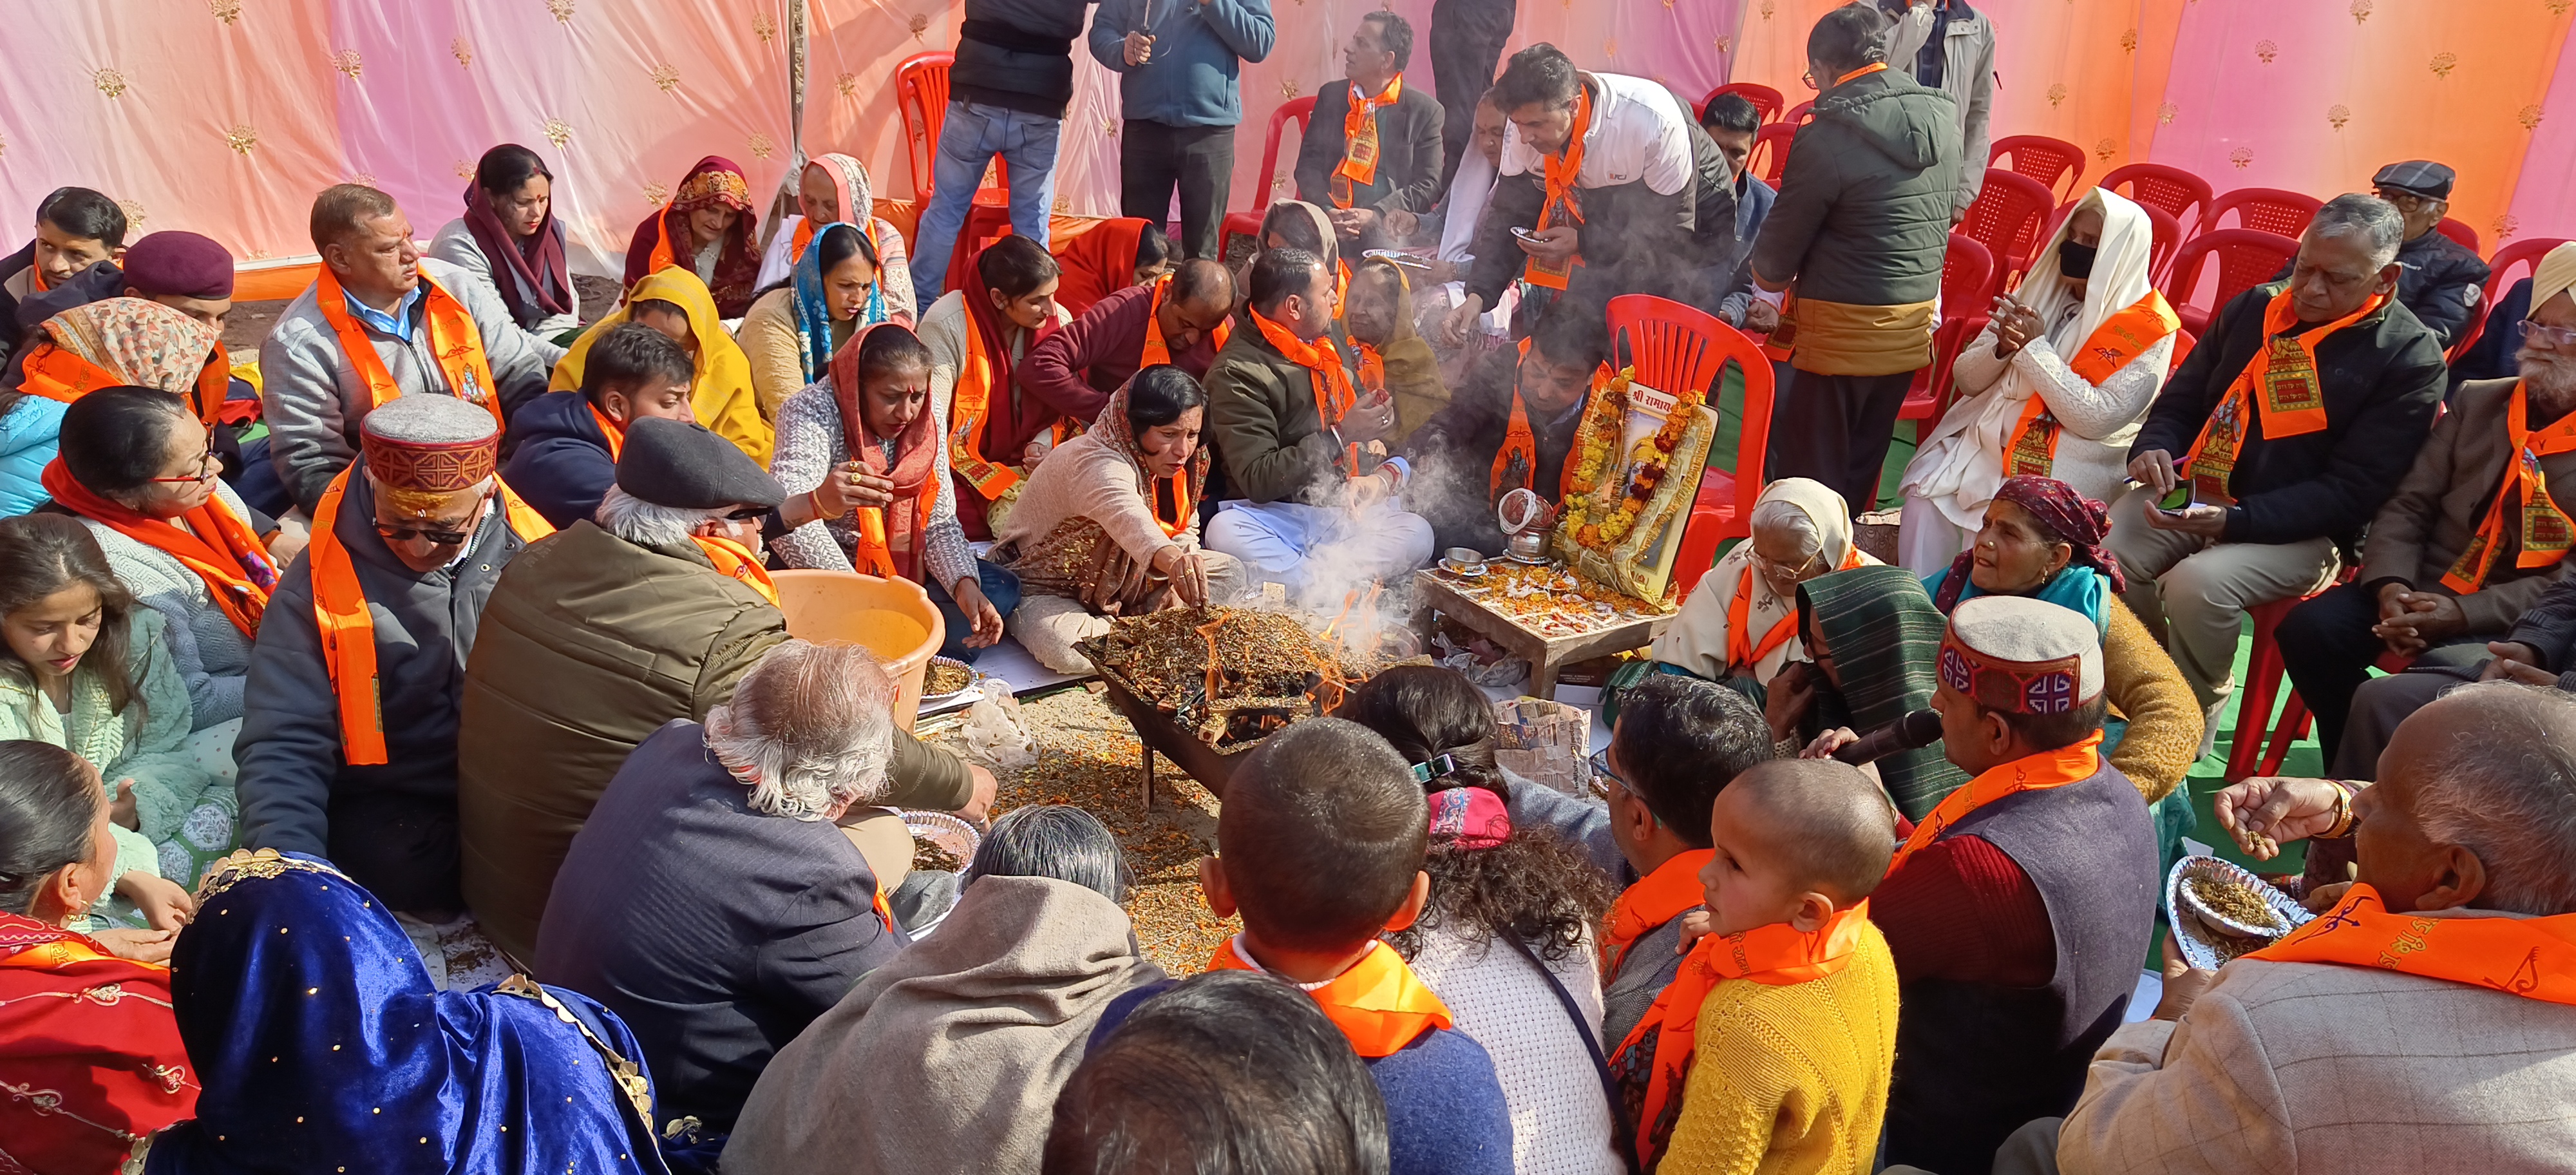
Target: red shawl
x=715 y=180
x=1011 y=420
x=890 y=540
x=94 y=1031
x=1097 y=262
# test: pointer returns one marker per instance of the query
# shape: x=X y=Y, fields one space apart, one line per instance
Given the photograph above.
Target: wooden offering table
x=1540 y=614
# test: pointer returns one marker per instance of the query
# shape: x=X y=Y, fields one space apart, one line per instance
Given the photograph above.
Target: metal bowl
x=2209 y=938
x=946 y=831
x=974 y=677
x=1529 y=546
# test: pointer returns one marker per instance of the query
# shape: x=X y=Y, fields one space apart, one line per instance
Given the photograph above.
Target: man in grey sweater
x=376 y=286
x=1947 y=46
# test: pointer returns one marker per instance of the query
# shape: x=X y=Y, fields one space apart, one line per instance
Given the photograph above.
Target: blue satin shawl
x=813 y=319
x=323 y=1047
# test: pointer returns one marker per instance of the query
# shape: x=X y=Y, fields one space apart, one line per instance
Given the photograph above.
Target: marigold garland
x=1648 y=463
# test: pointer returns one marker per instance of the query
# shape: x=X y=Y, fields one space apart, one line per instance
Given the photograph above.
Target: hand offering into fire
x=1187 y=573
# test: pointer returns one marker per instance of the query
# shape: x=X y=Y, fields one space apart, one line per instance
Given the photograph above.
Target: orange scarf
x=1516 y=463
x=2290 y=402
x=2047 y=769
x=1156 y=350
x=1561 y=171
x=1184 y=514
x=1359 y=141
x=2545 y=529
x=2530 y=957
x=56 y=373
x=969 y=405
x=454 y=341
x=1741 y=649
x=1372 y=367
x=1777 y=955
x=349 y=629
x=615 y=432
x=1659 y=897
x=1379 y=1003
x=663 y=255
x=210 y=540
x=734 y=559
x=2115 y=344
x=1332 y=382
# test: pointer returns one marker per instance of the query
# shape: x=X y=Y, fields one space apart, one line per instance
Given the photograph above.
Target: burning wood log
x=1228 y=675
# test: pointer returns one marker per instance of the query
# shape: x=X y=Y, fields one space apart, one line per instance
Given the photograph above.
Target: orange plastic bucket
x=892 y=617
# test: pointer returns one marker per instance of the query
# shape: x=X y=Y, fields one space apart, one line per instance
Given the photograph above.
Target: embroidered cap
x=430 y=444
x=2021 y=656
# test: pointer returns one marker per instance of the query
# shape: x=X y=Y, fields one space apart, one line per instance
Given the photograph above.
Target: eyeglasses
x=442 y=538
x=1809 y=77
x=207 y=467
x=2558 y=338
x=1600 y=762
x=1771 y=569
x=748 y=514
x=2404 y=200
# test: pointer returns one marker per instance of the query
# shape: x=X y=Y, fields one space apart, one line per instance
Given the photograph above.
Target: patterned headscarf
x=145 y=344
x=717 y=180
x=2067 y=516
x=814 y=319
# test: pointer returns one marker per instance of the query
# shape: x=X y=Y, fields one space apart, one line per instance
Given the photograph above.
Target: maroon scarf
x=2067 y=516
x=534 y=281
x=916 y=453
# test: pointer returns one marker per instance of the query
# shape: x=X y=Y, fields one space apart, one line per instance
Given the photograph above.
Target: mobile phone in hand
x=2179 y=500
x=1525 y=234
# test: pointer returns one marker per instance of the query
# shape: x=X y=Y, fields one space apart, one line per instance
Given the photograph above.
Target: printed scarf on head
x=1655 y=1061
x=814 y=319
x=890 y=537
x=2534 y=958
x=1078 y=560
x=853 y=202
x=129 y=342
x=2065 y=516
x=2544 y=535
x=454 y=341
x=2279 y=388
x=1379 y=1004
x=212 y=541
x=982 y=408
x=534 y=280
x=1358 y=168
x=714 y=181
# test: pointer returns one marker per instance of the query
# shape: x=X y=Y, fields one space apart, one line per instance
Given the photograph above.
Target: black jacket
x=716 y=931
x=559 y=459
x=1453 y=454
x=1018 y=54
x=2441 y=280
x=10 y=267
x=1408 y=150
x=2383 y=377
x=1863 y=216
x=1633 y=239
x=2492 y=356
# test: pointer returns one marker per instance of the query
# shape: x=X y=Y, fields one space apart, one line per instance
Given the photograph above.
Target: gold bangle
x=2343 y=813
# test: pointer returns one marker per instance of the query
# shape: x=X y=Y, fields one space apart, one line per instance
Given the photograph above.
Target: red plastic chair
x=921 y=97
x=2270 y=210
x=1766 y=101
x=2261 y=742
x=2050 y=161
x=1249 y=223
x=2171 y=190
x=2164 y=236
x=1770 y=154
x=1934 y=389
x=2246 y=259
x=2459 y=232
x=1967 y=290
x=2006 y=218
x=2499 y=275
x=1801 y=114
x=1674 y=346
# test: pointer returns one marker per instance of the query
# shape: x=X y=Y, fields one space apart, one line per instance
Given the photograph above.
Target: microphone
x=1921 y=728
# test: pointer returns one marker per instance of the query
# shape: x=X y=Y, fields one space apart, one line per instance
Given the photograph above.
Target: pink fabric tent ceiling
x=224 y=116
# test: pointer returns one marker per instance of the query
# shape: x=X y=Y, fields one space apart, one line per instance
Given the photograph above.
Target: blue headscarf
x=813 y=319
x=322 y=1045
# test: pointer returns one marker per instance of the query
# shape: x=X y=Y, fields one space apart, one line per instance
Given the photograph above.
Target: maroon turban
x=181 y=265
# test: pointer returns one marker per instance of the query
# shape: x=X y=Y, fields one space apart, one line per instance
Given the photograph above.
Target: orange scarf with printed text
x=2047 y=769
x=349 y=629
x=2115 y=344
x=2279 y=385
x=1334 y=397
x=1379 y=1003
x=2530 y=957
x=1359 y=141
x=1561 y=170
x=2545 y=531
x=454 y=341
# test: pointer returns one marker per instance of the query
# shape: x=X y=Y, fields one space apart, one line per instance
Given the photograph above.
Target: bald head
x=1202 y=282
x=2491 y=769
x=1821 y=821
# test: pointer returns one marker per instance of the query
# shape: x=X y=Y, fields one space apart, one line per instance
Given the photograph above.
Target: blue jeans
x=972 y=135
x=1000 y=587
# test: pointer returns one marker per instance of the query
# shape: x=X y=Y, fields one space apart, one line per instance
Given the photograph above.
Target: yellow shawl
x=722 y=396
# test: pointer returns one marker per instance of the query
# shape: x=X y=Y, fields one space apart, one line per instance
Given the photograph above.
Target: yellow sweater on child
x=1791 y=1080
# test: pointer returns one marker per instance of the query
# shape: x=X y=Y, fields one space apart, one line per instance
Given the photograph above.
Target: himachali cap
x=2420 y=176
x=430 y=444
x=2021 y=656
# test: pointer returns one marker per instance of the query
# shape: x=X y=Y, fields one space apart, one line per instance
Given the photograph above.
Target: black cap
x=686 y=467
x=2423 y=177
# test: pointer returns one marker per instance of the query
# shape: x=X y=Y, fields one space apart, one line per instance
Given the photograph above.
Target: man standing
x=1467 y=39
x=1181 y=61
x=2443 y=278
x=2277 y=440
x=1947 y=46
x=1286 y=421
x=382 y=321
x=1007 y=92
x=1372 y=145
x=1861 y=225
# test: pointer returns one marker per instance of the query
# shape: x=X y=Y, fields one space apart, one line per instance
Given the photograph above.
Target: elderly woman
x=1871 y=637
x=2056 y=384
x=707 y=228
x=2455 y=935
x=137 y=470
x=2042 y=539
x=1739 y=626
x=85 y=1018
x=1393 y=357
x=81 y=667
x=835 y=189
x=510 y=237
x=978 y=335
x=710 y=900
x=674 y=302
x=1109 y=525
x=987 y=1019
x=869 y=422
x=792 y=332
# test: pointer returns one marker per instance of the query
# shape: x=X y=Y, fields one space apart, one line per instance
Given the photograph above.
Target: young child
x=1779 y=1034
x=564 y=444
x=1320 y=847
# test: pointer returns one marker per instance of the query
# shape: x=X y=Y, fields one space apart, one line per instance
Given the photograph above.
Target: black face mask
x=2073 y=260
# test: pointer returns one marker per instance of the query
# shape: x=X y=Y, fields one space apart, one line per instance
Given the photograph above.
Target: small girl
x=87 y=670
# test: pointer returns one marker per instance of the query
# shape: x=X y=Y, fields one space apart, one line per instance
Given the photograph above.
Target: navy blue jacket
x=2491 y=357
x=559 y=459
x=1445 y=1113
x=1199 y=51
